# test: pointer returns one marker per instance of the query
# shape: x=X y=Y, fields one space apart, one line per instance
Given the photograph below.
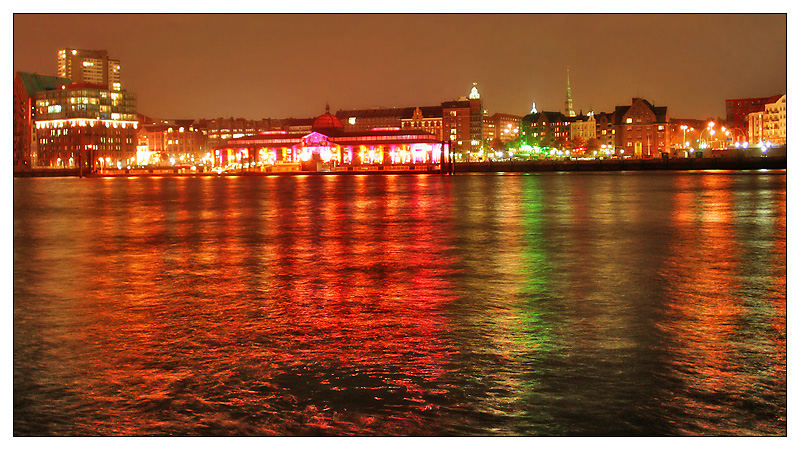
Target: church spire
x=568 y=111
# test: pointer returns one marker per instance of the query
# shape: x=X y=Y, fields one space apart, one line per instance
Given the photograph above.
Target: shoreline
x=608 y=165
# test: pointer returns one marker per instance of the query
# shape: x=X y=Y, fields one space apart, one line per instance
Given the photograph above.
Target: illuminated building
x=331 y=144
x=26 y=86
x=506 y=127
x=427 y=118
x=737 y=109
x=462 y=123
x=583 y=127
x=220 y=130
x=89 y=66
x=85 y=125
x=604 y=129
x=160 y=140
x=768 y=125
x=546 y=129
x=641 y=129
x=775 y=121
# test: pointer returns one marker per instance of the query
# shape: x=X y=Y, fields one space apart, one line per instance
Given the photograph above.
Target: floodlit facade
x=769 y=125
x=85 y=125
x=330 y=144
x=775 y=121
x=584 y=127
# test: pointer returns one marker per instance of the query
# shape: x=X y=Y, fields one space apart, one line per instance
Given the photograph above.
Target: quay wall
x=777 y=162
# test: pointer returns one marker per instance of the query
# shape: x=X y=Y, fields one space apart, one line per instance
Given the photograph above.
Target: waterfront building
x=775 y=121
x=737 y=109
x=26 y=86
x=330 y=143
x=604 y=130
x=641 y=129
x=85 y=125
x=90 y=66
x=755 y=127
x=769 y=125
x=504 y=127
x=416 y=117
x=173 y=141
x=462 y=123
x=219 y=130
x=546 y=129
x=427 y=118
x=583 y=127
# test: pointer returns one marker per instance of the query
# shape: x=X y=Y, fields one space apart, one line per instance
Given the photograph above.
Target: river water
x=558 y=304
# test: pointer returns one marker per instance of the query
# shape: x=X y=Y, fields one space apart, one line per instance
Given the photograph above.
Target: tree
x=562 y=142
x=578 y=143
x=592 y=145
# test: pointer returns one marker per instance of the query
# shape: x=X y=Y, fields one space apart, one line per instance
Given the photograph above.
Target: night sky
x=257 y=66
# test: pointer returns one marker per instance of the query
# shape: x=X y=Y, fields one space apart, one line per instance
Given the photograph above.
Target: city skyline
x=367 y=60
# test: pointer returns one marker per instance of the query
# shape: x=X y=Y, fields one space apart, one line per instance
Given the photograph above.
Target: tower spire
x=568 y=111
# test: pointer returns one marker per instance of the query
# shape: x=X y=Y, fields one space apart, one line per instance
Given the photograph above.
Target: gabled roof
x=547 y=116
x=33 y=82
x=659 y=111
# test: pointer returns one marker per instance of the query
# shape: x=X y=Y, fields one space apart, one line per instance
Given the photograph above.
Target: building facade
x=505 y=127
x=604 y=130
x=546 y=129
x=737 y=109
x=583 y=128
x=26 y=86
x=768 y=125
x=85 y=125
x=178 y=141
x=331 y=144
x=90 y=66
x=432 y=122
x=641 y=129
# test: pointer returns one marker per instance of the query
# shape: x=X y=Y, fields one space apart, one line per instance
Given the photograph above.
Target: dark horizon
x=291 y=65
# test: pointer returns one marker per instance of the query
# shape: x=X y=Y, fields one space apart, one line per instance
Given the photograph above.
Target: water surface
x=632 y=303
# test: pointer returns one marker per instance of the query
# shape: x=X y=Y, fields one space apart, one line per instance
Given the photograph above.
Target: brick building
x=641 y=129
x=26 y=86
x=737 y=109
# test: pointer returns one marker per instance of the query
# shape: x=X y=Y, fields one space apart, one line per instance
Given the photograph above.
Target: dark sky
x=256 y=66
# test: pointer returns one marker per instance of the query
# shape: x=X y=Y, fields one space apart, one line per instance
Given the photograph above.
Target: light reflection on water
x=553 y=304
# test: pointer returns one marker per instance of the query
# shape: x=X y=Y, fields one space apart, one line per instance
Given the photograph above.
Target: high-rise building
x=90 y=66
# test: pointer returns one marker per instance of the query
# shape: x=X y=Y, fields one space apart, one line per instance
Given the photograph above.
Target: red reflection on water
x=218 y=298
x=707 y=311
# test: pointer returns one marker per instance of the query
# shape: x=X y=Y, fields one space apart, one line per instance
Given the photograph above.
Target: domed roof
x=327 y=121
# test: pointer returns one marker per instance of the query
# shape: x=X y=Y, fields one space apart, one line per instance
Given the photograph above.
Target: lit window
x=628 y=120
